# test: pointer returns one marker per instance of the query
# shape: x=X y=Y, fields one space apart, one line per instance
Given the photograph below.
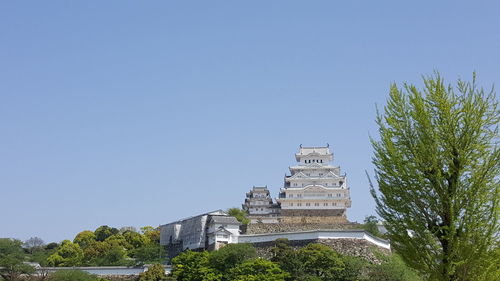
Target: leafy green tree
x=231 y=255
x=109 y=252
x=320 y=261
x=392 y=268
x=155 y=272
x=104 y=231
x=149 y=253
x=370 y=225
x=51 y=246
x=194 y=266
x=85 y=238
x=354 y=268
x=11 y=260
x=437 y=168
x=135 y=239
x=67 y=254
x=257 y=270
x=71 y=275
x=118 y=239
x=286 y=257
x=239 y=214
x=151 y=233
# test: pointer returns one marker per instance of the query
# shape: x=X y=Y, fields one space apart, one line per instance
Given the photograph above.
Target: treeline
x=106 y=246
x=315 y=262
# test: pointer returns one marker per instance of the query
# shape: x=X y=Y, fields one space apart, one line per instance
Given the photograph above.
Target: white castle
x=314 y=192
x=311 y=206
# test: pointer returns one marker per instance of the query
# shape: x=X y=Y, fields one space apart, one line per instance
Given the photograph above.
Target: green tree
x=257 y=270
x=286 y=257
x=155 y=272
x=151 y=233
x=437 y=168
x=11 y=259
x=67 y=254
x=104 y=231
x=370 y=225
x=239 y=214
x=392 y=268
x=109 y=252
x=320 y=261
x=354 y=268
x=72 y=275
x=135 y=239
x=194 y=266
x=85 y=238
x=149 y=253
x=230 y=256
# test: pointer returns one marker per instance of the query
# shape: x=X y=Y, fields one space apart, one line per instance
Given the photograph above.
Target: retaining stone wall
x=259 y=228
x=349 y=247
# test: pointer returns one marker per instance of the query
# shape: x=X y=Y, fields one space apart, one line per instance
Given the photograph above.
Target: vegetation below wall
x=312 y=262
x=106 y=246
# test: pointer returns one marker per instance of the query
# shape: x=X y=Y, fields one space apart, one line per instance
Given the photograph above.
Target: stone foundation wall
x=313 y=220
x=259 y=228
x=349 y=247
x=313 y=216
x=312 y=213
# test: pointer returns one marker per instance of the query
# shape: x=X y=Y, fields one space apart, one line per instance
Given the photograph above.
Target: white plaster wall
x=312 y=235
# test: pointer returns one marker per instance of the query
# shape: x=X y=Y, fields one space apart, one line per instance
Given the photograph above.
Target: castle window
x=308 y=204
x=329 y=195
x=295 y=184
x=321 y=160
x=316 y=204
x=291 y=204
x=320 y=174
x=290 y=195
x=299 y=204
x=325 y=204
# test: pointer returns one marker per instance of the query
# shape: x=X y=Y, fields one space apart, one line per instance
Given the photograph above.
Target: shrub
x=156 y=272
x=72 y=275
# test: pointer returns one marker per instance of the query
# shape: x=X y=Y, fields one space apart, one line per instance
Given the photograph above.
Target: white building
x=207 y=231
x=315 y=188
x=260 y=207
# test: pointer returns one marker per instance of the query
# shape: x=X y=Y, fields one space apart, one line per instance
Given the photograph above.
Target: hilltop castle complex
x=314 y=192
x=311 y=206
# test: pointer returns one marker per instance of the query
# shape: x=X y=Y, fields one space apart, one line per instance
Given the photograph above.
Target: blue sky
x=142 y=112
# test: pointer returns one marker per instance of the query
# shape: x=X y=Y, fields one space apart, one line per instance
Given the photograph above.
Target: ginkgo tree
x=437 y=170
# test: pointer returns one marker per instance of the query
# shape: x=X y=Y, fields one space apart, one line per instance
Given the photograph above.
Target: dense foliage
x=155 y=272
x=73 y=275
x=437 y=168
x=12 y=257
x=313 y=262
x=239 y=214
x=105 y=246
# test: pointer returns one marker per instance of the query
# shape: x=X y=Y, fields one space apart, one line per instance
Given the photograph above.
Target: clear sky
x=133 y=113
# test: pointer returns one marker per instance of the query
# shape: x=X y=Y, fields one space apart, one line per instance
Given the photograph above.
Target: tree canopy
x=437 y=168
x=11 y=259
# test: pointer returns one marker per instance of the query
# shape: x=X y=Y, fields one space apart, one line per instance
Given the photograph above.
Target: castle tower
x=260 y=207
x=314 y=192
